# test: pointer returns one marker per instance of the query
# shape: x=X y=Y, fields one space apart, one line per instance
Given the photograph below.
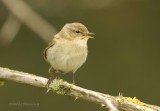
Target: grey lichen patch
x=132 y=103
x=57 y=87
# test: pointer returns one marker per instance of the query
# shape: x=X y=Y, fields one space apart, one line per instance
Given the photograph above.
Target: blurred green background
x=124 y=56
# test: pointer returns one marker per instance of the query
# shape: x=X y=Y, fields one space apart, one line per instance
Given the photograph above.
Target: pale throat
x=81 y=41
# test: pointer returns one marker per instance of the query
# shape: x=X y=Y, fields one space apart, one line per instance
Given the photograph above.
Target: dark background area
x=124 y=56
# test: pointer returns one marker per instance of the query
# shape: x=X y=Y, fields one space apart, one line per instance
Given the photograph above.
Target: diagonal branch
x=13 y=25
x=113 y=103
x=30 y=18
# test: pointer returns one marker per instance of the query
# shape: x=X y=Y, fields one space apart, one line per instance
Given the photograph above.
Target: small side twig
x=113 y=103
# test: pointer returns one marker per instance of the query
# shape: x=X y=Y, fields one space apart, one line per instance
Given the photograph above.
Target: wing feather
x=49 y=45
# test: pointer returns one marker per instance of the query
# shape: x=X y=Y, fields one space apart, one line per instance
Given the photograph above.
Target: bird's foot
x=49 y=82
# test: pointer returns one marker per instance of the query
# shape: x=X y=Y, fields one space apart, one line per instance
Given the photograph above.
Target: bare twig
x=30 y=18
x=59 y=86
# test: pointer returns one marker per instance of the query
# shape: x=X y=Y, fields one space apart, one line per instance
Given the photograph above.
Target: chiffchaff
x=67 y=51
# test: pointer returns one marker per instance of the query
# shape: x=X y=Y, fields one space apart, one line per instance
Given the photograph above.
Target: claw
x=47 y=90
x=75 y=98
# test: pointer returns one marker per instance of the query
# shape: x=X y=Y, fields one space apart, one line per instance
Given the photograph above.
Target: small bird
x=67 y=51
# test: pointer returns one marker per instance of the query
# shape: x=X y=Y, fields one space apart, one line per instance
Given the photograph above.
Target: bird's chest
x=74 y=54
x=68 y=56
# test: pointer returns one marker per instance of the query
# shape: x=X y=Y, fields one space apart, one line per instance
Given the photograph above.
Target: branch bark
x=113 y=103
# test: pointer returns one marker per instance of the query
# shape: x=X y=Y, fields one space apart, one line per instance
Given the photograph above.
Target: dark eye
x=78 y=31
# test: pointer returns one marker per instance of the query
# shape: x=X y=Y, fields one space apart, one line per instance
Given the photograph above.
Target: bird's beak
x=89 y=35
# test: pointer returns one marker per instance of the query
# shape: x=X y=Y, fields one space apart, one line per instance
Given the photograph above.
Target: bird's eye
x=78 y=31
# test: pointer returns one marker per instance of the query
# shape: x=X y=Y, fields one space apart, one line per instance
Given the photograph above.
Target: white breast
x=67 y=56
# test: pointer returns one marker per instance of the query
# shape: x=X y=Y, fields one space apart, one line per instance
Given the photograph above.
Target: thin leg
x=53 y=76
x=73 y=78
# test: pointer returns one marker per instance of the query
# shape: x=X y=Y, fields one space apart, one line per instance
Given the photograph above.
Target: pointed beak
x=89 y=35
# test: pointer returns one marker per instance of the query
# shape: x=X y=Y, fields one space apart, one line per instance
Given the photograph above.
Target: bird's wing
x=45 y=51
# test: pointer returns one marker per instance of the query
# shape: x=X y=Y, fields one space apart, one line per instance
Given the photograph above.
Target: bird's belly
x=67 y=59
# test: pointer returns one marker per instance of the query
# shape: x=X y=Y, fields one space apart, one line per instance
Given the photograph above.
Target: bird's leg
x=73 y=81
x=53 y=76
x=52 y=71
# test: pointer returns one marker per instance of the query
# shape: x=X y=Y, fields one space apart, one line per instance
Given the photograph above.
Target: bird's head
x=75 y=31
